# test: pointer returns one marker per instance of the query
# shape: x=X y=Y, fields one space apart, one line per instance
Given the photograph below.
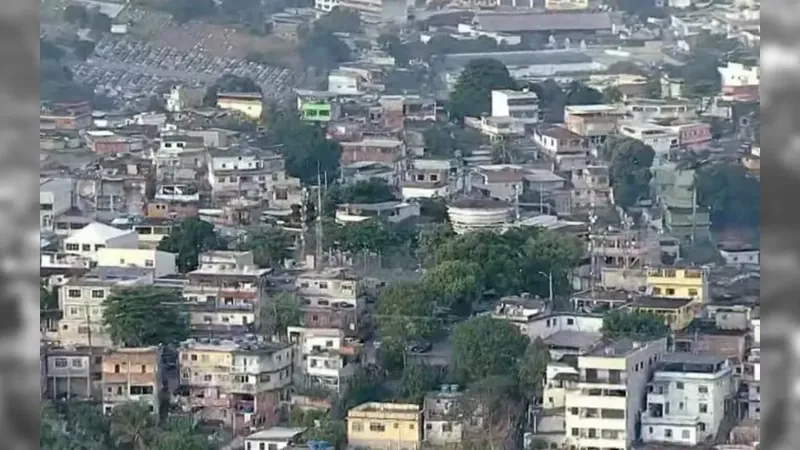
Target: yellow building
x=250 y=104
x=566 y=5
x=678 y=283
x=677 y=313
x=385 y=426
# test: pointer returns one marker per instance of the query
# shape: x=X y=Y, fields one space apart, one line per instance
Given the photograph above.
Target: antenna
x=303 y=222
x=592 y=255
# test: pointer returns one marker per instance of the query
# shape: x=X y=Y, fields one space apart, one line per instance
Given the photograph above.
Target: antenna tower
x=318 y=233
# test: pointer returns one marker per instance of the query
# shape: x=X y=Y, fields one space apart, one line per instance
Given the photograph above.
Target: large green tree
x=472 y=94
x=271 y=247
x=405 y=313
x=635 y=324
x=629 y=170
x=307 y=151
x=187 y=239
x=144 y=316
x=485 y=347
x=732 y=195
x=278 y=312
x=455 y=285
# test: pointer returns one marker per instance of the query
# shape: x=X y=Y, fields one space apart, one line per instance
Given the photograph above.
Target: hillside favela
x=400 y=225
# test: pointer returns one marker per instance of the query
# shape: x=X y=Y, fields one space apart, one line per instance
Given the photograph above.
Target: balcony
x=246 y=388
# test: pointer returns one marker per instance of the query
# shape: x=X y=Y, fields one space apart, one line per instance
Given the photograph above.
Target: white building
x=736 y=75
x=480 y=214
x=686 y=398
x=90 y=239
x=603 y=409
x=392 y=211
x=646 y=109
x=445 y=421
x=739 y=256
x=325 y=6
x=55 y=198
x=162 y=263
x=662 y=139
x=344 y=83
x=323 y=356
x=275 y=438
x=521 y=105
x=496 y=128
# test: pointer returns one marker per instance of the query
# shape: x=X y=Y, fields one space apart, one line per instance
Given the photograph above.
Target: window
x=98 y=293
x=681 y=406
x=358 y=426
x=262 y=446
x=149 y=263
x=702 y=426
x=703 y=408
x=193 y=357
x=144 y=368
x=207 y=377
x=411 y=426
x=375 y=426
x=693 y=292
x=72 y=247
x=575 y=432
x=570 y=321
x=99 y=246
x=60 y=362
x=74 y=293
x=650 y=430
x=272 y=447
x=670 y=291
x=73 y=311
x=678 y=385
x=323 y=285
x=116 y=368
x=86 y=247
x=686 y=434
x=328 y=343
x=396 y=425
x=141 y=390
x=76 y=362
x=702 y=389
x=446 y=427
x=573 y=411
x=656 y=291
x=668 y=432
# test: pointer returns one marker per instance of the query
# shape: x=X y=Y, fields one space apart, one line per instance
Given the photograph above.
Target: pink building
x=694 y=136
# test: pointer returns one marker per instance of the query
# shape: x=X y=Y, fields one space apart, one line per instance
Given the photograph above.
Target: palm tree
x=132 y=426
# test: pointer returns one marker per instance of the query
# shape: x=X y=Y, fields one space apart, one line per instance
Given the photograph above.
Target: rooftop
x=661 y=302
x=581 y=340
x=241 y=95
x=250 y=343
x=558 y=132
x=622 y=347
x=276 y=434
x=590 y=109
x=386 y=407
x=519 y=58
x=549 y=21
x=97 y=232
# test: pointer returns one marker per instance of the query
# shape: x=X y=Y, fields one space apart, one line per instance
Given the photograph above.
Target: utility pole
x=318 y=235
x=549 y=277
x=694 y=213
x=592 y=256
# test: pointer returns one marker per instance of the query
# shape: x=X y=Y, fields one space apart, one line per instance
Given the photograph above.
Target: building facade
x=385 y=426
x=132 y=374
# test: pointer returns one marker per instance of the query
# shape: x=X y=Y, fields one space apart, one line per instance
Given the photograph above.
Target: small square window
x=686 y=434
x=703 y=408
x=668 y=433
x=678 y=385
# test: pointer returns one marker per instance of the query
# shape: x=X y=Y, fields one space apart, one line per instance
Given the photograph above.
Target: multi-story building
x=603 y=409
x=592 y=122
x=555 y=140
x=373 y=149
x=687 y=399
x=429 y=178
x=520 y=105
x=81 y=302
x=679 y=283
x=259 y=176
x=71 y=373
x=391 y=211
x=502 y=182
x=324 y=356
x=677 y=313
x=390 y=426
x=694 y=136
x=240 y=383
x=152 y=230
x=177 y=157
x=90 y=239
x=224 y=293
x=497 y=128
x=662 y=139
x=132 y=374
x=740 y=81
x=333 y=298
x=646 y=109
x=65 y=116
x=410 y=107
x=749 y=393
x=250 y=104
x=55 y=198
x=161 y=263
x=591 y=186
x=480 y=214
x=446 y=420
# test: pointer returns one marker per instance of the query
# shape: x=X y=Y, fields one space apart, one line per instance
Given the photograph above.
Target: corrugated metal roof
x=562 y=21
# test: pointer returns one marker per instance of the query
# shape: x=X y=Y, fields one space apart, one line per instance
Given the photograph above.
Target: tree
x=307 y=151
x=374 y=190
x=532 y=369
x=333 y=432
x=471 y=96
x=83 y=49
x=578 y=93
x=485 y=347
x=635 y=324
x=271 y=247
x=144 y=316
x=405 y=313
x=439 y=141
x=181 y=434
x=340 y=20
x=323 y=50
x=229 y=83
x=100 y=23
x=455 y=285
x=612 y=94
x=434 y=209
x=731 y=194
x=76 y=14
x=132 y=426
x=279 y=312
x=188 y=238
x=626 y=68
x=551 y=100
x=398 y=50
x=48 y=298
x=629 y=170
x=416 y=380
